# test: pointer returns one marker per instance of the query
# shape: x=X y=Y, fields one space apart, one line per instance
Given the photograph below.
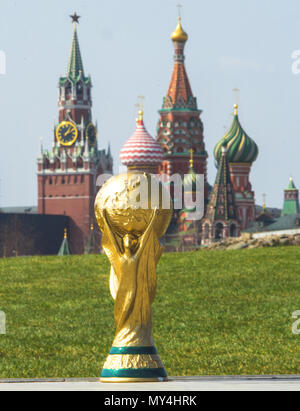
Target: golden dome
x=179 y=34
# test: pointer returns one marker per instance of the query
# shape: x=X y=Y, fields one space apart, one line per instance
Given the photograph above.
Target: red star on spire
x=75 y=18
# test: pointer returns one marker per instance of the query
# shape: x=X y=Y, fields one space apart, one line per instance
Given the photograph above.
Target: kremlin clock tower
x=67 y=174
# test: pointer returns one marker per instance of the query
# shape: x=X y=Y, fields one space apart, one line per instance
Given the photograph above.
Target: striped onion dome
x=141 y=149
x=241 y=148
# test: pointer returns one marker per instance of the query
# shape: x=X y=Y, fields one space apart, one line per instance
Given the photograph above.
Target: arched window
x=79 y=91
x=233 y=230
x=206 y=231
x=68 y=91
x=219 y=231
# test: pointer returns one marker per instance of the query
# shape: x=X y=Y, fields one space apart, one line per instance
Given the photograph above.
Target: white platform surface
x=178 y=385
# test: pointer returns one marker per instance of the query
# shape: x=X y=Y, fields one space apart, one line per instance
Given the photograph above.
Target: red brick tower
x=67 y=174
x=180 y=128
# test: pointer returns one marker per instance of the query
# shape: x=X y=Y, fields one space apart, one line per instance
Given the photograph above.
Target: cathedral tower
x=221 y=219
x=67 y=173
x=242 y=153
x=180 y=128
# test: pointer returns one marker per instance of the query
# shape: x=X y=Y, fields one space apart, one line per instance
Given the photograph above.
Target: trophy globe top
x=129 y=200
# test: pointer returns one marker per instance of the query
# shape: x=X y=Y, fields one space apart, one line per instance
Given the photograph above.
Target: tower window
x=79 y=91
x=68 y=91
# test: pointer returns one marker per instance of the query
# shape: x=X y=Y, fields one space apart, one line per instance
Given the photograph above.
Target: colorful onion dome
x=191 y=179
x=179 y=34
x=141 y=149
x=241 y=148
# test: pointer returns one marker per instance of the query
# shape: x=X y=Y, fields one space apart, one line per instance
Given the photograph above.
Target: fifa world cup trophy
x=132 y=221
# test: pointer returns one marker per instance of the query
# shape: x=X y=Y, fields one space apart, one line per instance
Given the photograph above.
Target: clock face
x=91 y=134
x=66 y=133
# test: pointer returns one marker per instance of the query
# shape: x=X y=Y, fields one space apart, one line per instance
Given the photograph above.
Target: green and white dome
x=192 y=180
x=240 y=147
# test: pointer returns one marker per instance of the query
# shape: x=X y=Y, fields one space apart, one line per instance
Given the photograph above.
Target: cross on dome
x=236 y=100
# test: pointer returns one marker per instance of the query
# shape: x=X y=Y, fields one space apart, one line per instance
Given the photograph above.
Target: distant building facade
x=27 y=234
x=291 y=200
x=288 y=220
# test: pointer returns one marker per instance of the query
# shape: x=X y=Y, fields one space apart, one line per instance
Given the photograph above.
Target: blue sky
x=126 y=47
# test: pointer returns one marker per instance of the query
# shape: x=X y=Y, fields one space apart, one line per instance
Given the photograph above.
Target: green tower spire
x=292 y=184
x=75 y=65
x=222 y=203
x=64 y=248
x=291 y=200
x=221 y=220
x=91 y=245
x=75 y=70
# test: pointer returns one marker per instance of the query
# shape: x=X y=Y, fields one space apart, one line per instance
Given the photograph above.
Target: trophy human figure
x=130 y=238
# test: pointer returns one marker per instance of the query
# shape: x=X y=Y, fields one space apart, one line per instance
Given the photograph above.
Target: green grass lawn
x=216 y=312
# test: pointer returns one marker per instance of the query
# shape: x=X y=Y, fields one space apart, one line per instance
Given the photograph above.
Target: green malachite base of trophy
x=133 y=364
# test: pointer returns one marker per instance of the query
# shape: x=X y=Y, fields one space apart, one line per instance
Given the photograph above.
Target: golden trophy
x=130 y=239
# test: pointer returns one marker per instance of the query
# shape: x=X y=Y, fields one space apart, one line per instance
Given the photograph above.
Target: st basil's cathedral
x=230 y=204
x=67 y=172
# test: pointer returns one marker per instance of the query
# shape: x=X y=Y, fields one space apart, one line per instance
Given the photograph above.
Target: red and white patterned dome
x=141 y=149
